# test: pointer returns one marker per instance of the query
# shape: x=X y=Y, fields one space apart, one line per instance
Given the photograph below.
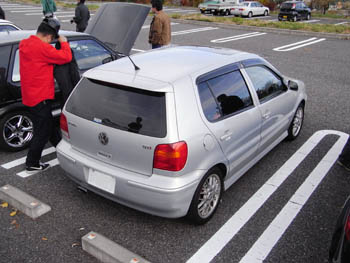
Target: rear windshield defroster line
x=120 y=107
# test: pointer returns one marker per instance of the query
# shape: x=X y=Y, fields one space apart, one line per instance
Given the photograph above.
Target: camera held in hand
x=72 y=21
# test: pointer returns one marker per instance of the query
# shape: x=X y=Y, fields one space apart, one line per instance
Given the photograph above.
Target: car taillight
x=241 y=9
x=347 y=228
x=293 y=6
x=170 y=157
x=64 y=125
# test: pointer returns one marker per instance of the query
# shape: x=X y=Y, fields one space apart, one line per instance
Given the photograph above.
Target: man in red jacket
x=37 y=59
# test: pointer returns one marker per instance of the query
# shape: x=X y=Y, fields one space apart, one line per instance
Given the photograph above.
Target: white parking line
x=27 y=10
x=300 y=44
x=22 y=160
x=193 y=31
x=21 y=8
x=310 y=21
x=263 y=246
x=237 y=37
x=219 y=240
x=56 y=13
x=24 y=173
x=342 y=23
x=148 y=26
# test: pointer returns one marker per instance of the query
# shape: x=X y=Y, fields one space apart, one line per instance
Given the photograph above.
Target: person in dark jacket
x=67 y=76
x=2 y=13
x=82 y=16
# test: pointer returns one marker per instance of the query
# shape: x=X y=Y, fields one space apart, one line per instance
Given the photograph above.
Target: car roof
x=160 y=67
x=16 y=36
x=3 y=21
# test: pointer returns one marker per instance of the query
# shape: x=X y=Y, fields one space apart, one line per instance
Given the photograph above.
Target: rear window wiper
x=112 y=124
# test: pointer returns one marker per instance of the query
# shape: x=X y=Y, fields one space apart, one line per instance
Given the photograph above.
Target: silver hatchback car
x=170 y=137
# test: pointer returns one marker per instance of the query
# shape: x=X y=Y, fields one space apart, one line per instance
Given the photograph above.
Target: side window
x=209 y=105
x=224 y=95
x=4 y=28
x=266 y=83
x=4 y=61
x=15 y=72
x=88 y=53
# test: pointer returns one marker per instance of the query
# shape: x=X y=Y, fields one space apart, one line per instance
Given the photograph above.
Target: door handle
x=226 y=136
x=266 y=115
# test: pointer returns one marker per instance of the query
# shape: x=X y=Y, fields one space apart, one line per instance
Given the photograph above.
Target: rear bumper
x=156 y=194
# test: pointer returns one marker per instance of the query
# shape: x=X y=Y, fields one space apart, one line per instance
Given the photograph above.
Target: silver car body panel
x=118 y=24
x=128 y=177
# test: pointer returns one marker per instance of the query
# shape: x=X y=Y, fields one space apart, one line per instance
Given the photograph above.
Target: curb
x=24 y=202
x=266 y=29
x=106 y=250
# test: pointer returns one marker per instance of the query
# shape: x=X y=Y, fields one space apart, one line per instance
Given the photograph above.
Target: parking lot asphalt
x=321 y=62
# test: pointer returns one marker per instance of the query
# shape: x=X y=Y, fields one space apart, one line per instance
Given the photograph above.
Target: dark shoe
x=346 y=167
x=34 y=169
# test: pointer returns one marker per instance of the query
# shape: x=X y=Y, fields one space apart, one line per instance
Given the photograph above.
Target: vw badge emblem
x=103 y=138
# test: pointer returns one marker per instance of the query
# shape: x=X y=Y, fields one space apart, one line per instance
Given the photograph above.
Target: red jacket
x=37 y=60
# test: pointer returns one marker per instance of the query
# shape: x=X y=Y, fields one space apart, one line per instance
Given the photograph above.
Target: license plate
x=284 y=16
x=102 y=181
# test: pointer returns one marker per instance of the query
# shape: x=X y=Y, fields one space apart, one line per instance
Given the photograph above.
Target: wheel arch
x=18 y=106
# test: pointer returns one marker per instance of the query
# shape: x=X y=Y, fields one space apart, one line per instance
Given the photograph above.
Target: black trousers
x=344 y=157
x=44 y=131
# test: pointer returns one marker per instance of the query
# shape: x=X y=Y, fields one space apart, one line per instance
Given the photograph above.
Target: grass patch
x=325 y=28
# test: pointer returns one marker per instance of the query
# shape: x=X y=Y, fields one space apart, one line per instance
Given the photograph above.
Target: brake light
x=64 y=125
x=293 y=6
x=170 y=157
x=241 y=9
x=347 y=228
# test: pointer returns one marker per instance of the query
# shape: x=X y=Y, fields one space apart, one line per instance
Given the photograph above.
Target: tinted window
x=120 y=107
x=88 y=53
x=230 y=92
x=210 y=107
x=4 y=28
x=287 y=6
x=266 y=83
x=4 y=61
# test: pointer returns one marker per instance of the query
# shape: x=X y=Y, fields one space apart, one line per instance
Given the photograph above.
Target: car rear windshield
x=120 y=107
x=287 y=6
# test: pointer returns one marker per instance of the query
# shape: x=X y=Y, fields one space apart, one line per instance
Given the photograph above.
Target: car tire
x=207 y=197
x=250 y=14
x=202 y=12
x=227 y=13
x=16 y=131
x=215 y=13
x=308 y=17
x=266 y=13
x=296 y=124
x=294 y=19
x=279 y=19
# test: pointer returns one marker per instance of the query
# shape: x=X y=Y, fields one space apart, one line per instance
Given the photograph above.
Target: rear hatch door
x=118 y=24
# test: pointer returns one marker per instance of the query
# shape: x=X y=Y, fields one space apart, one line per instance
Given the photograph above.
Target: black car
x=339 y=251
x=293 y=11
x=16 y=127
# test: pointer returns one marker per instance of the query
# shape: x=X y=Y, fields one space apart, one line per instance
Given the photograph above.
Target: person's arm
x=2 y=13
x=77 y=17
x=59 y=57
x=156 y=31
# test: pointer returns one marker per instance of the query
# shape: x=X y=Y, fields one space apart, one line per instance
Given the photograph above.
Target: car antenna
x=123 y=55
x=136 y=67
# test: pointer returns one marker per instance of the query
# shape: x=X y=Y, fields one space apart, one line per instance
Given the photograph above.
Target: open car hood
x=118 y=24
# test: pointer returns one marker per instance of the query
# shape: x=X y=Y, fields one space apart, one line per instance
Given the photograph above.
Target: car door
x=276 y=103
x=232 y=117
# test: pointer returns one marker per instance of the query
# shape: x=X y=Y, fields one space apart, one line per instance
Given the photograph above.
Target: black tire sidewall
x=290 y=129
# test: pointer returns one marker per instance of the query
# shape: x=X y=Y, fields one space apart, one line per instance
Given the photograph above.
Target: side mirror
x=292 y=85
x=106 y=60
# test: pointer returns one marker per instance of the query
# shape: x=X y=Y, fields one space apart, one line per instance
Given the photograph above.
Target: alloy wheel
x=209 y=195
x=298 y=121
x=18 y=131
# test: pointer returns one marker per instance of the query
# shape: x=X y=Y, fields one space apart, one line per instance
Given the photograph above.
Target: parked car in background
x=16 y=127
x=250 y=9
x=224 y=7
x=169 y=142
x=339 y=251
x=203 y=7
x=293 y=11
x=6 y=25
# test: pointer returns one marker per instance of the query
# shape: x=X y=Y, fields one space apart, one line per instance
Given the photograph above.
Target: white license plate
x=102 y=181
